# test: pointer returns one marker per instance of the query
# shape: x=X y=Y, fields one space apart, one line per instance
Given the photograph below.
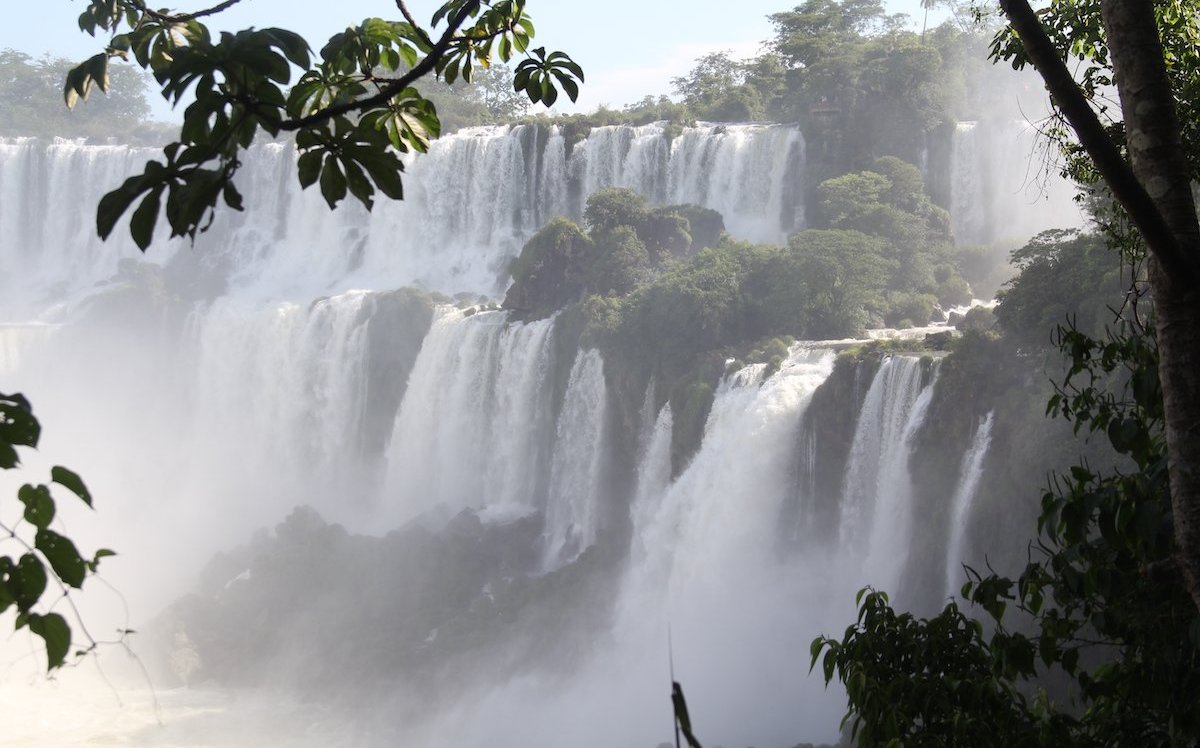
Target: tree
x=722 y=89
x=854 y=72
x=353 y=110
x=1154 y=188
x=889 y=202
x=30 y=89
x=925 y=6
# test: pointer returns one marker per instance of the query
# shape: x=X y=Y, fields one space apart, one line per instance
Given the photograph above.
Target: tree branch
x=1109 y=161
x=391 y=89
x=183 y=17
x=412 y=21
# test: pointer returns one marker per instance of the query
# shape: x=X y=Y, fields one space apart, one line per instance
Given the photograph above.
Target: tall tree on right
x=1150 y=175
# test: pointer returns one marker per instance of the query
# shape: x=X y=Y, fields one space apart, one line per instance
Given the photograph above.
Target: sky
x=628 y=48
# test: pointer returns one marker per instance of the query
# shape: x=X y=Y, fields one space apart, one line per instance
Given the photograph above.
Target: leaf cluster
x=50 y=555
x=353 y=108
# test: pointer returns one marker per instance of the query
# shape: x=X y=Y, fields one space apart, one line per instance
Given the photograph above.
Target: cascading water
x=474 y=428
x=708 y=564
x=618 y=156
x=749 y=173
x=654 y=471
x=1003 y=189
x=282 y=369
x=877 y=495
x=965 y=188
x=964 y=494
x=470 y=204
x=577 y=468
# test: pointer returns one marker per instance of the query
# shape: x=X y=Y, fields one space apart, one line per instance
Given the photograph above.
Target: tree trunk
x=1160 y=164
x=1161 y=205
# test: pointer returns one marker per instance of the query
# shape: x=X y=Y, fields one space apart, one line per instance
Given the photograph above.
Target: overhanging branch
x=391 y=89
x=1109 y=161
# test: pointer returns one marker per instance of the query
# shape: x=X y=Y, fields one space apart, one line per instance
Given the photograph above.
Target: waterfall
x=205 y=391
x=1004 y=186
x=256 y=367
x=749 y=173
x=470 y=204
x=576 y=470
x=654 y=471
x=729 y=495
x=877 y=491
x=964 y=498
x=966 y=183
x=708 y=564
x=48 y=197
x=622 y=156
x=473 y=430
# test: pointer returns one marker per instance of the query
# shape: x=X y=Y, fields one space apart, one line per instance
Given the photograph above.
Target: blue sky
x=628 y=48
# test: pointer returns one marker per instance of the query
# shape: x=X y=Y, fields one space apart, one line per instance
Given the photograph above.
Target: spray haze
x=357 y=504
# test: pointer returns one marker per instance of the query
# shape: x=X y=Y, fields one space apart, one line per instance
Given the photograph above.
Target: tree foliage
x=626 y=244
x=888 y=202
x=353 y=108
x=47 y=558
x=1152 y=184
x=30 y=89
x=1064 y=276
x=723 y=89
x=1096 y=605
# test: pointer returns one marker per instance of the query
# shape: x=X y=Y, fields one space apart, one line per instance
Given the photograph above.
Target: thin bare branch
x=183 y=17
x=412 y=20
x=391 y=89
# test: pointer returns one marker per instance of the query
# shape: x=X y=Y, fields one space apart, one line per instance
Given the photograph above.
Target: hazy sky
x=628 y=48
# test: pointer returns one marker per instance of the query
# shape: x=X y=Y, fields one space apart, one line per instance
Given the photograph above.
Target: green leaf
x=27 y=581
x=55 y=633
x=98 y=71
x=570 y=86
x=18 y=428
x=63 y=557
x=308 y=167
x=141 y=225
x=6 y=598
x=814 y=649
x=386 y=174
x=358 y=183
x=113 y=205
x=39 y=505
x=233 y=198
x=333 y=182
x=71 y=481
x=95 y=562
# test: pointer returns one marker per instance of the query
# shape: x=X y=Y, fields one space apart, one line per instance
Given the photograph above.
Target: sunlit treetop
x=353 y=107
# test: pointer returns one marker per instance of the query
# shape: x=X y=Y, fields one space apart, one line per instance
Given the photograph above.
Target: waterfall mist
x=495 y=549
